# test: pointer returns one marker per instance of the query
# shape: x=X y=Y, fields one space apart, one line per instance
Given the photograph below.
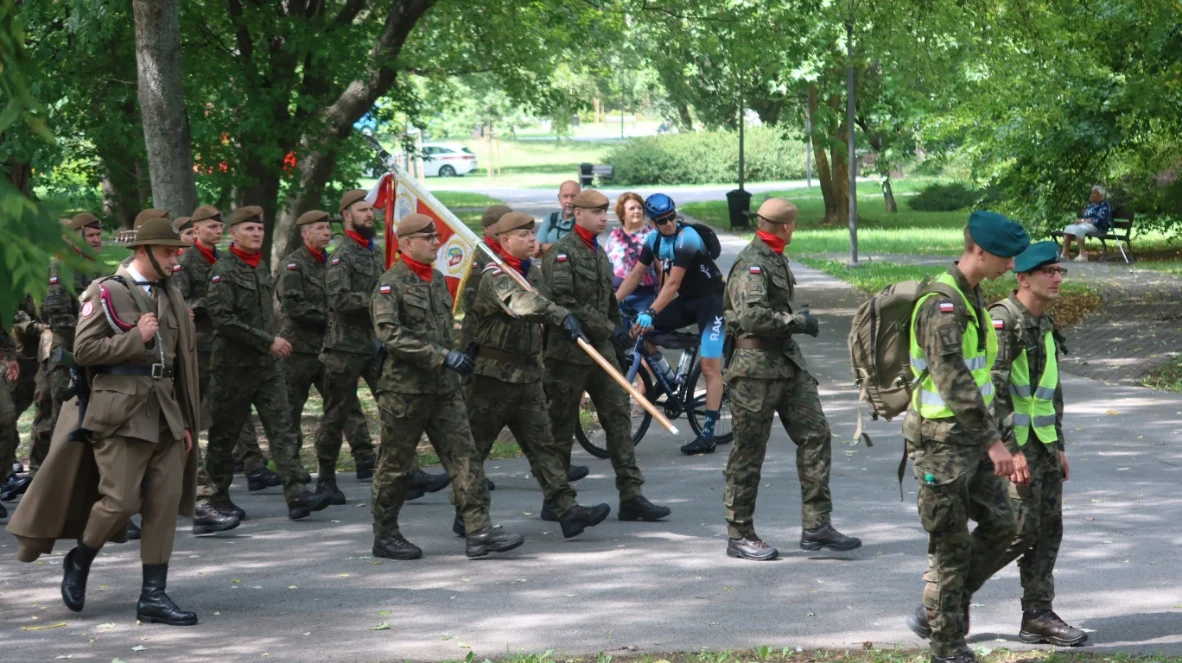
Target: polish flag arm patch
x=176 y=269
x=756 y=269
x=947 y=307
x=53 y=280
x=217 y=278
x=291 y=267
x=561 y=257
x=336 y=261
x=385 y=289
x=999 y=324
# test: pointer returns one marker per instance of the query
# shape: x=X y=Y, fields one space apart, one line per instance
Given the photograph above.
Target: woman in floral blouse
x=623 y=248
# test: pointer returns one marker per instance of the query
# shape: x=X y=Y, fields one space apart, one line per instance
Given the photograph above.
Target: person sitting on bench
x=1096 y=220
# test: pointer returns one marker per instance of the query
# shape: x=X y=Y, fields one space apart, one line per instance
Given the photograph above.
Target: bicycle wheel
x=723 y=432
x=591 y=435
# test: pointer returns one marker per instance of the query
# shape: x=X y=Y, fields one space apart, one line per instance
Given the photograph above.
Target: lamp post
x=852 y=156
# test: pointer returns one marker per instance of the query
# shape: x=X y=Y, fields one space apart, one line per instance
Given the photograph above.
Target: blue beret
x=997 y=234
x=1035 y=256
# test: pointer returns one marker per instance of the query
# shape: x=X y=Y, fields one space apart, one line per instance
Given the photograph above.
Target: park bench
x=1121 y=232
x=589 y=172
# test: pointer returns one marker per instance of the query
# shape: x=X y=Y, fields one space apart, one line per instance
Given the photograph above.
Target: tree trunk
x=824 y=174
x=162 y=105
x=888 y=196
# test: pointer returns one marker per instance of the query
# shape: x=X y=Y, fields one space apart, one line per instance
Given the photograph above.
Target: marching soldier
x=135 y=424
x=26 y=333
x=957 y=449
x=246 y=370
x=9 y=438
x=768 y=374
x=506 y=389
x=577 y=275
x=420 y=392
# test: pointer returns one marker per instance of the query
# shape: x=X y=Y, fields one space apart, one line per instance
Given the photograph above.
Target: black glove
x=459 y=362
x=572 y=328
x=812 y=326
x=621 y=338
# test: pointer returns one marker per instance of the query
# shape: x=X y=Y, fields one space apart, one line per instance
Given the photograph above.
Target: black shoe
x=336 y=496
x=365 y=469
x=14 y=487
x=699 y=446
x=3 y=512
x=827 y=537
x=639 y=508
x=75 y=571
x=305 y=478
x=489 y=540
x=918 y=623
x=1044 y=627
x=262 y=479
x=133 y=531
x=229 y=508
x=963 y=657
x=396 y=547
x=154 y=606
x=491 y=486
x=17 y=468
x=302 y=505
x=548 y=513
x=751 y=547
x=576 y=472
x=580 y=518
x=239 y=466
x=207 y=519
x=422 y=483
x=457 y=525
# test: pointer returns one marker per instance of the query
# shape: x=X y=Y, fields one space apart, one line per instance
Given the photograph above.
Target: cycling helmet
x=660 y=208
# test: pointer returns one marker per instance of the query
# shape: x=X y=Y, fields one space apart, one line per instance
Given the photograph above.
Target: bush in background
x=706 y=157
x=943 y=198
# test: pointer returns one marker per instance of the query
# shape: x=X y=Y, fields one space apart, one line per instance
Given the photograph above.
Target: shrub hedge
x=706 y=157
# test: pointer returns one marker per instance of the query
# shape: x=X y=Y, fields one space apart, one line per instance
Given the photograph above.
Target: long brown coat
x=59 y=500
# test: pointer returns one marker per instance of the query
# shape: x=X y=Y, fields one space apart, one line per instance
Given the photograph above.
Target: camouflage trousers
x=493 y=405
x=53 y=386
x=9 y=437
x=443 y=417
x=754 y=403
x=565 y=384
x=961 y=487
x=305 y=370
x=246 y=446
x=342 y=370
x=231 y=393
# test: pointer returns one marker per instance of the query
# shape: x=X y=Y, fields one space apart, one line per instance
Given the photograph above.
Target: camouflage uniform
x=9 y=438
x=954 y=452
x=1039 y=505
x=304 y=301
x=192 y=279
x=506 y=389
x=26 y=332
x=239 y=300
x=768 y=374
x=417 y=394
x=578 y=278
x=349 y=347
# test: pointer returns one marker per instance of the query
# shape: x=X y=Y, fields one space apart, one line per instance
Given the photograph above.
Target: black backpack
x=709 y=239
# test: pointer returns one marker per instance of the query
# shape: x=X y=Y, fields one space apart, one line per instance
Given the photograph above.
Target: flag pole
x=464 y=231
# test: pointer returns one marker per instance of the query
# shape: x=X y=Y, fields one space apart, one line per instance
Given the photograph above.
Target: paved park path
x=309 y=591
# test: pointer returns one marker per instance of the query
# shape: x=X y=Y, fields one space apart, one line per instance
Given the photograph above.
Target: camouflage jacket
x=758 y=305
x=1013 y=334
x=353 y=273
x=510 y=322
x=468 y=297
x=60 y=309
x=579 y=279
x=192 y=279
x=939 y=335
x=26 y=329
x=239 y=301
x=304 y=301
x=412 y=318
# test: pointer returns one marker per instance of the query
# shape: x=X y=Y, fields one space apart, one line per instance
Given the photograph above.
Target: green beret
x=1035 y=256
x=998 y=235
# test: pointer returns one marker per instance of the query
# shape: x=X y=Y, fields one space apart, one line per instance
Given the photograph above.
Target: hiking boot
x=365 y=469
x=548 y=513
x=580 y=518
x=699 y=446
x=489 y=540
x=335 y=496
x=576 y=472
x=207 y=519
x=229 y=508
x=262 y=479
x=396 y=547
x=422 y=483
x=639 y=508
x=154 y=605
x=133 y=531
x=827 y=537
x=457 y=525
x=75 y=571
x=302 y=505
x=963 y=657
x=751 y=547
x=1044 y=627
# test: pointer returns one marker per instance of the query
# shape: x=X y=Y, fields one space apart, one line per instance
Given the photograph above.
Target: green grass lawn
x=457 y=199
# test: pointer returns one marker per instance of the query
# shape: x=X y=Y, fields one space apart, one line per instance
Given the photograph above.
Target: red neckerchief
x=522 y=266
x=588 y=237
x=367 y=243
x=210 y=255
x=180 y=252
x=318 y=255
x=251 y=259
x=493 y=243
x=774 y=243
x=422 y=269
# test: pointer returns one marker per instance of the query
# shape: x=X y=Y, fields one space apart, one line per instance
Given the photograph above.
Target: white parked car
x=440 y=160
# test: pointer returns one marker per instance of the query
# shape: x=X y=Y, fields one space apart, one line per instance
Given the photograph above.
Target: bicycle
x=686 y=394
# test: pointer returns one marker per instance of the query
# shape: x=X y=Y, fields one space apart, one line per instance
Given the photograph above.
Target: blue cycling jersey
x=687 y=250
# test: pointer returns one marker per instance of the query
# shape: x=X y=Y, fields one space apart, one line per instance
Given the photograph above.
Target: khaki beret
x=493 y=214
x=777 y=210
x=205 y=213
x=182 y=223
x=350 y=197
x=513 y=221
x=310 y=217
x=82 y=220
x=157 y=231
x=65 y=222
x=591 y=199
x=415 y=223
x=150 y=213
x=249 y=213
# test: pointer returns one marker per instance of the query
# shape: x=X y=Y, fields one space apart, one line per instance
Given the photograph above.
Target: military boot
x=576 y=472
x=489 y=540
x=963 y=657
x=919 y=624
x=133 y=531
x=751 y=547
x=699 y=446
x=302 y=505
x=76 y=569
x=207 y=519
x=457 y=525
x=154 y=605
x=229 y=508
x=329 y=485
x=639 y=508
x=548 y=513
x=580 y=518
x=14 y=487
x=365 y=469
x=827 y=537
x=489 y=482
x=262 y=479
x=422 y=483
x=396 y=547
x=1044 y=627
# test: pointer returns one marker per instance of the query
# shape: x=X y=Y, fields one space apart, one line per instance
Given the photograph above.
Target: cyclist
x=691 y=292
